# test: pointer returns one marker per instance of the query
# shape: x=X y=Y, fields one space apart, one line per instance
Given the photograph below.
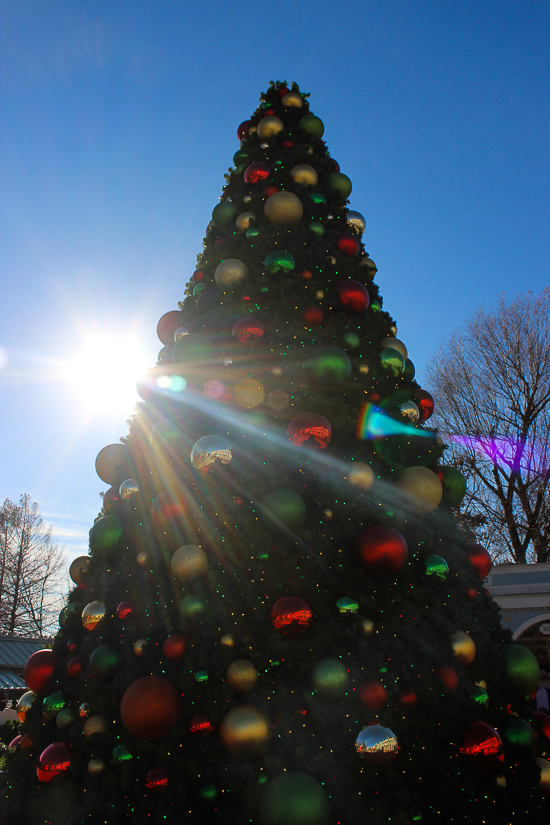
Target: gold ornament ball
x=94 y=724
x=139 y=647
x=189 y=563
x=92 y=614
x=361 y=476
x=64 y=718
x=230 y=273
x=305 y=174
x=544 y=781
x=421 y=488
x=78 y=568
x=242 y=676
x=292 y=99
x=269 y=127
x=367 y=626
x=394 y=343
x=463 y=647
x=245 y=220
x=227 y=640
x=245 y=732
x=283 y=209
x=247 y=199
x=142 y=559
x=24 y=704
x=96 y=767
x=369 y=264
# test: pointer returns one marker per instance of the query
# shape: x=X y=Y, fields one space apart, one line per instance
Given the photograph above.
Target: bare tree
x=31 y=571
x=492 y=386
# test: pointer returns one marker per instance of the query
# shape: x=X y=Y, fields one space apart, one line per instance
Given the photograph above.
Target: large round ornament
x=454 y=487
x=104 y=661
x=373 y=695
x=330 y=679
x=166 y=327
x=410 y=411
x=224 y=214
x=483 y=746
x=174 y=646
x=283 y=209
x=543 y=720
x=247 y=330
x=353 y=296
x=392 y=362
x=294 y=798
x=230 y=273
x=464 y=648
x=210 y=450
x=106 y=534
x=377 y=745
x=291 y=615
x=192 y=606
x=312 y=125
x=361 y=476
x=544 y=781
x=124 y=609
x=340 y=183
x=348 y=244
x=394 y=343
x=269 y=127
x=192 y=348
x=309 y=429
x=110 y=461
x=425 y=403
x=242 y=675
x=520 y=740
x=24 y=704
x=65 y=718
x=292 y=100
x=78 y=568
x=256 y=173
x=382 y=550
x=94 y=725
x=448 y=676
x=356 y=221
x=436 y=566
x=95 y=766
x=245 y=732
x=74 y=667
x=53 y=760
x=110 y=498
x=279 y=262
x=189 y=563
x=329 y=362
x=304 y=174
x=479 y=559
x=242 y=129
x=245 y=221
x=52 y=704
x=283 y=509
x=421 y=488
x=313 y=316
x=93 y=614
x=522 y=669
x=39 y=672
x=150 y=707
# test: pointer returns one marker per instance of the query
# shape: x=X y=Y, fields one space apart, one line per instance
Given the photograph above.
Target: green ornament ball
x=522 y=669
x=454 y=486
x=65 y=718
x=375 y=306
x=282 y=509
x=316 y=197
x=192 y=606
x=252 y=232
x=279 y=262
x=392 y=361
x=519 y=738
x=330 y=679
x=51 y=705
x=239 y=157
x=480 y=696
x=312 y=125
x=293 y=798
x=104 y=661
x=317 y=228
x=224 y=214
x=330 y=363
x=121 y=754
x=106 y=534
x=67 y=611
x=352 y=340
x=340 y=183
x=436 y=566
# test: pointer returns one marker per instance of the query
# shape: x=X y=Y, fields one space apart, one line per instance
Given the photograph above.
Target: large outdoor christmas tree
x=279 y=621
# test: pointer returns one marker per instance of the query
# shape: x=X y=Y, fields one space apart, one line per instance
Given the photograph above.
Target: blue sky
x=119 y=121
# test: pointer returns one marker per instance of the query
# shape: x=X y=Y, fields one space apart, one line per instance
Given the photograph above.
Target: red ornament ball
x=53 y=760
x=291 y=615
x=197 y=275
x=348 y=244
x=288 y=144
x=544 y=720
x=310 y=429
x=479 y=558
x=168 y=324
x=282 y=91
x=157 y=779
x=353 y=296
x=150 y=708
x=111 y=497
x=256 y=173
x=425 y=403
x=313 y=316
x=483 y=746
x=373 y=695
x=26 y=741
x=74 y=666
x=335 y=164
x=248 y=330
x=242 y=128
x=447 y=676
x=270 y=190
x=124 y=609
x=383 y=550
x=407 y=698
x=174 y=646
x=307 y=275
x=39 y=672
x=471 y=593
x=71 y=645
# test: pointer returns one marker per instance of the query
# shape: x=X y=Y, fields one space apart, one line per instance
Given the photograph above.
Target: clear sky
x=118 y=122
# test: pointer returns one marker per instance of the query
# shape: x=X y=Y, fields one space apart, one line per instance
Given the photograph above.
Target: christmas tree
x=279 y=621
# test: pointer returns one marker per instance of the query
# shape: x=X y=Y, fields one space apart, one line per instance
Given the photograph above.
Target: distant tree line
x=32 y=571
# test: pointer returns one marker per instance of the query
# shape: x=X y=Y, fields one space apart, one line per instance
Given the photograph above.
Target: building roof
x=10 y=680
x=14 y=651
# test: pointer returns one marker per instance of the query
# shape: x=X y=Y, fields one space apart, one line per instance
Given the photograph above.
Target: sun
x=104 y=373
